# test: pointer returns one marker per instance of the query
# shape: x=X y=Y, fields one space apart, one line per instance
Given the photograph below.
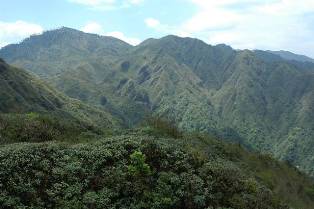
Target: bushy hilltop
x=253 y=97
x=147 y=168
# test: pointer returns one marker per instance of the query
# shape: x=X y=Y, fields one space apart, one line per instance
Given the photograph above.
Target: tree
x=138 y=166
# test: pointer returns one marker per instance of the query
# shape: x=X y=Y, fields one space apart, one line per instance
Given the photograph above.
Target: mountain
x=67 y=163
x=25 y=98
x=21 y=92
x=65 y=44
x=291 y=56
x=75 y=153
x=254 y=98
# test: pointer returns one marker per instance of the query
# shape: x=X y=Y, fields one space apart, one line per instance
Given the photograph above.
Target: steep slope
x=73 y=62
x=208 y=62
x=22 y=93
x=252 y=97
x=262 y=101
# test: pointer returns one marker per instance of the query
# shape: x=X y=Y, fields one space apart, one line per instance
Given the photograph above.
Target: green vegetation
x=62 y=152
x=34 y=127
x=138 y=166
x=291 y=56
x=127 y=171
x=22 y=93
x=255 y=98
x=138 y=170
x=161 y=127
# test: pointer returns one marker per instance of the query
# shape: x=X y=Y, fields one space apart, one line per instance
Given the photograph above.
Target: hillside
x=255 y=98
x=20 y=92
x=24 y=99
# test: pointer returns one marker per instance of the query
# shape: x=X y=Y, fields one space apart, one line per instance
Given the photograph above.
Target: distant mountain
x=291 y=56
x=254 y=98
x=67 y=47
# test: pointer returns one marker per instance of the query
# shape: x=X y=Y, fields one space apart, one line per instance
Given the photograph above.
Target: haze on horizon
x=242 y=24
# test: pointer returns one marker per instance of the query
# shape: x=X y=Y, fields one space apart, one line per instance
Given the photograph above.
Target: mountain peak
x=177 y=41
x=64 y=41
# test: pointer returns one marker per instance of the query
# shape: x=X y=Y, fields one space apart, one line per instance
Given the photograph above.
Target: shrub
x=138 y=166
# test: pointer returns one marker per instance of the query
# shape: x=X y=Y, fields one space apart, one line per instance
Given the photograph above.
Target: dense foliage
x=128 y=171
x=21 y=92
x=145 y=168
x=34 y=127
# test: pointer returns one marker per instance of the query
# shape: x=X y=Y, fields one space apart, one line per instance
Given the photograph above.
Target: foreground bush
x=124 y=172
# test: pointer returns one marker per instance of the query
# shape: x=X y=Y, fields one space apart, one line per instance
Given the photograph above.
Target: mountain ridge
x=292 y=56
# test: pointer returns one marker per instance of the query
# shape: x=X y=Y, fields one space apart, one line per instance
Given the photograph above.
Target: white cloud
x=152 y=22
x=107 y=4
x=264 y=24
x=121 y=36
x=164 y=28
x=251 y=24
x=94 y=27
x=11 y=32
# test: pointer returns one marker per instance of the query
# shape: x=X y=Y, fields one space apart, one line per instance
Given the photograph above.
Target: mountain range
x=94 y=122
x=263 y=100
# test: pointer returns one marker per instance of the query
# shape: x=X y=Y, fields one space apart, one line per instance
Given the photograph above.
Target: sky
x=242 y=24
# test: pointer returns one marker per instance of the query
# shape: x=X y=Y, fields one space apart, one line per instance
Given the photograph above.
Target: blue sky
x=252 y=24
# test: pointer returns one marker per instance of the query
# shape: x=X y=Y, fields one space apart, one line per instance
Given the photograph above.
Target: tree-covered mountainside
x=22 y=93
x=66 y=47
x=253 y=97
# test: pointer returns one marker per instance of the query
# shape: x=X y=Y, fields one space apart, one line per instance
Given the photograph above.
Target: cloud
x=152 y=22
x=121 y=36
x=107 y=4
x=94 y=27
x=271 y=24
x=164 y=28
x=11 y=32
